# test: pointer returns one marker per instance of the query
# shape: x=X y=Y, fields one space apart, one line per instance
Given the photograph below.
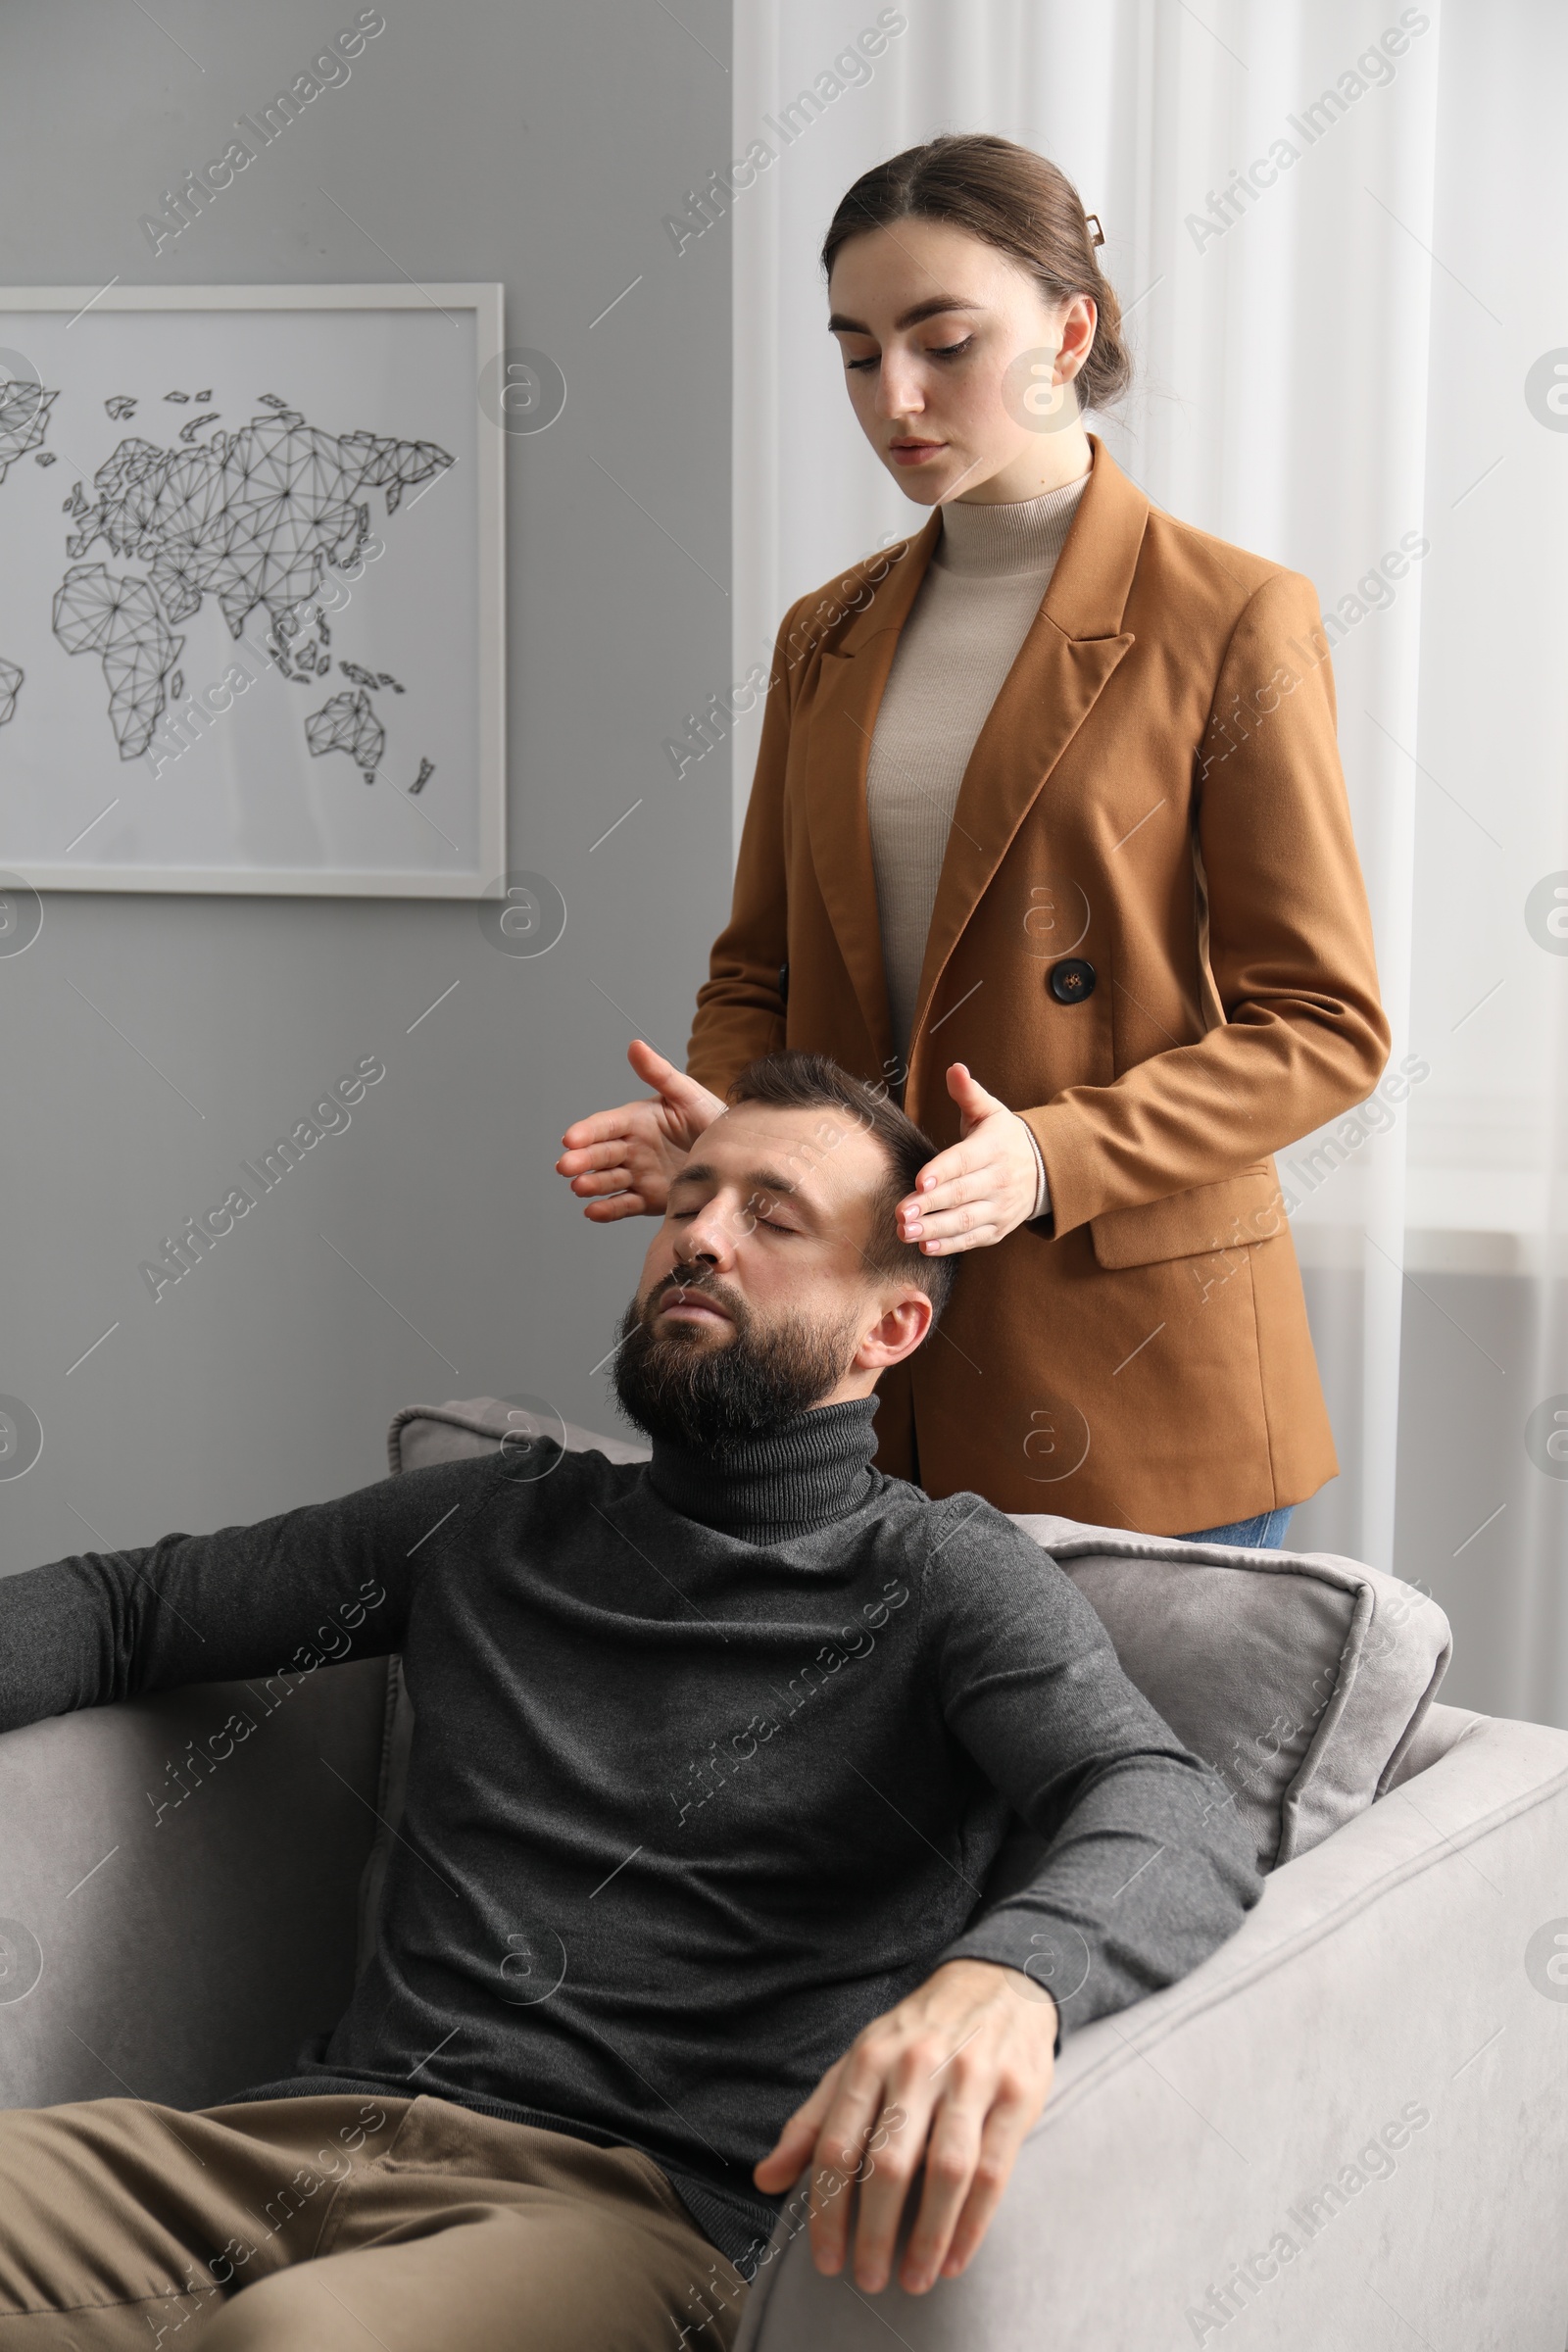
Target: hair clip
x=1099 y=237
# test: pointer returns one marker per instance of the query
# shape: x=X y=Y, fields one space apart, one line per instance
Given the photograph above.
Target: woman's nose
x=898 y=387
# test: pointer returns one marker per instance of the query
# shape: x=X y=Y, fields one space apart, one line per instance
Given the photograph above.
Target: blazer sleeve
x=740 y=1006
x=1289 y=947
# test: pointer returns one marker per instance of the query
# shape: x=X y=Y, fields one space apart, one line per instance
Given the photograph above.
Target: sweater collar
x=804 y=1474
x=996 y=542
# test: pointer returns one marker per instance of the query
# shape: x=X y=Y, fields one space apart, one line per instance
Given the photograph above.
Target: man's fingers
x=1005 y=2129
x=862 y=2134
x=950 y=2157
x=798 y=2138
x=787 y=2158
x=886 y=2174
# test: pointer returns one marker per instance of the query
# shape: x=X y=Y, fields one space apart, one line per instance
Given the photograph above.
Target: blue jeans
x=1265 y=1532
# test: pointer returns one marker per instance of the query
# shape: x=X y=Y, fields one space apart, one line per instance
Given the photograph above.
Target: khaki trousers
x=337 y=2224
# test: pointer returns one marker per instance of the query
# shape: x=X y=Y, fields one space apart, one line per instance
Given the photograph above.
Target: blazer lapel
x=1074 y=644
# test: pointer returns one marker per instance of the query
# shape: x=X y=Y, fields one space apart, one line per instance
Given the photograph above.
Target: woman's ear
x=1078 y=323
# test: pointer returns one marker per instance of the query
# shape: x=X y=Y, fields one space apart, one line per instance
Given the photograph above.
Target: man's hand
x=621 y=1161
x=975 y=1193
x=957 y=2075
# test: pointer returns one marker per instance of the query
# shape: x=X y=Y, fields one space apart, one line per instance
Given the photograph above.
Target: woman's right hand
x=621 y=1161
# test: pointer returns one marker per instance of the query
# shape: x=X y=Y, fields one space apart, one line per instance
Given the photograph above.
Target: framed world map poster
x=252 y=624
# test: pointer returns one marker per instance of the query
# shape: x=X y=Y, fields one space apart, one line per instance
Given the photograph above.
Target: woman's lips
x=914 y=452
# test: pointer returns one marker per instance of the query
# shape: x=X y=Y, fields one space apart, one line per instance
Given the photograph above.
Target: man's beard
x=688 y=1389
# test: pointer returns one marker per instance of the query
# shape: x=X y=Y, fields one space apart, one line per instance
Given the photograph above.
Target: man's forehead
x=818 y=1151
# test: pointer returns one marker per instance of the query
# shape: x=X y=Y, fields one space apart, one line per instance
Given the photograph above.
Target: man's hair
x=795 y=1081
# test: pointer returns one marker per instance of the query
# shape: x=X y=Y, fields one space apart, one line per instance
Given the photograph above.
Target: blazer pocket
x=1232 y=1215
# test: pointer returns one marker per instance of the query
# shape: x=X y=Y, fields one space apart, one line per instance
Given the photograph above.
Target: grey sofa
x=1348 y=2127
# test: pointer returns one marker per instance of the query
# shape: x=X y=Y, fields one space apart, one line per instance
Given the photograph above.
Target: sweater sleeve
x=1146 y=1870
x=1042 y=1188
x=328 y=1582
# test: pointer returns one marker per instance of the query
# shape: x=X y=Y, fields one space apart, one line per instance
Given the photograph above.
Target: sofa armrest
x=179 y=1889
x=1435 y=1733
x=1350 y=2113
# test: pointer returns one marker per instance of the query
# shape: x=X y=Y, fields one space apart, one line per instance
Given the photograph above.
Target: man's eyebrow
x=760 y=1180
x=838 y=325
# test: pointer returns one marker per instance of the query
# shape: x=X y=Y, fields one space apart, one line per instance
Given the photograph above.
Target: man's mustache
x=699 y=1279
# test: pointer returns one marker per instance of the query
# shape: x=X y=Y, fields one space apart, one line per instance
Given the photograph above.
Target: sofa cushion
x=471 y=1425
x=1301 y=1677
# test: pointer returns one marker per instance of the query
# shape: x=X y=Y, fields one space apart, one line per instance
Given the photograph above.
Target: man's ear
x=897 y=1333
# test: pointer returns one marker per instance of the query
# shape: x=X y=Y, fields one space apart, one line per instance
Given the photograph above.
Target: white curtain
x=1346 y=355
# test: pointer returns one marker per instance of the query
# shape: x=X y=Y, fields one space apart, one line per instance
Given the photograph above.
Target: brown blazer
x=1156 y=793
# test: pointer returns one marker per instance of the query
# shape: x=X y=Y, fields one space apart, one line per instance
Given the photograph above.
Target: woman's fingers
x=975 y=1197
x=947 y=1167
x=620 y=1163
x=974 y=1103
x=993 y=1212
x=689 y=1100
x=606 y=1125
x=975 y=1184
x=650 y=1066
x=647 y=1137
x=596 y=1183
x=977 y=1234
x=611 y=1153
x=630 y=1203
x=975 y=1193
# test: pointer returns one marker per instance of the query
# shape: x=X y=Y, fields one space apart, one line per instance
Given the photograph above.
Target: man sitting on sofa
x=712 y=1757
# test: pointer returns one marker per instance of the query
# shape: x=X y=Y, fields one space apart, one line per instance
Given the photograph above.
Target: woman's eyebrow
x=838 y=325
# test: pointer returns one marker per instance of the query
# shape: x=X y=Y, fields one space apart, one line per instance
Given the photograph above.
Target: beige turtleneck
x=985 y=583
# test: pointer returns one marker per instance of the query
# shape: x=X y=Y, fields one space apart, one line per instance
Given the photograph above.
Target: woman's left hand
x=978 y=1191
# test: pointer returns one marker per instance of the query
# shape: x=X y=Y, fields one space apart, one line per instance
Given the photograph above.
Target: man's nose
x=710 y=1239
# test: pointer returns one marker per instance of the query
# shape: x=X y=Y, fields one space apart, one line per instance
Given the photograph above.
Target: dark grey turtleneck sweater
x=710 y=1761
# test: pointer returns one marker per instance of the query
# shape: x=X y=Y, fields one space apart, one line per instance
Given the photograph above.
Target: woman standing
x=1050 y=833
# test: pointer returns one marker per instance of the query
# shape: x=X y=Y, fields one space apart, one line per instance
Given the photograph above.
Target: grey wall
x=430 y=1251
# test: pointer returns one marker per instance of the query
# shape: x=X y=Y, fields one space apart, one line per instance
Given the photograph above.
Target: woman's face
x=958 y=367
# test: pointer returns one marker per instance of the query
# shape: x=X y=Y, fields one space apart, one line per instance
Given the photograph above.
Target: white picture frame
x=277 y=416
